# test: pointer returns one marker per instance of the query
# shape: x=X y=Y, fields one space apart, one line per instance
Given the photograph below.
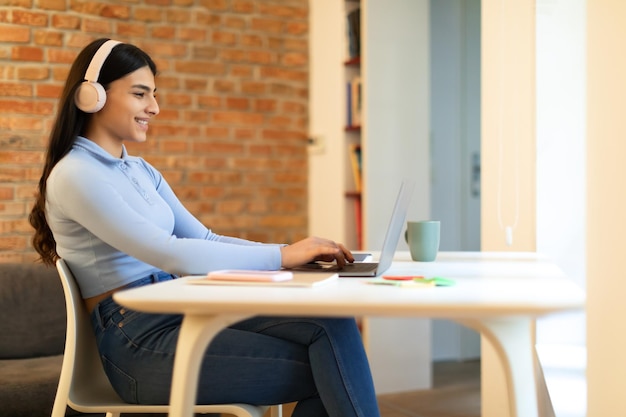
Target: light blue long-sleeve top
x=116 y=220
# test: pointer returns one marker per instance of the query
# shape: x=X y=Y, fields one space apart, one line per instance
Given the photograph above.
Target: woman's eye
x=140 y=95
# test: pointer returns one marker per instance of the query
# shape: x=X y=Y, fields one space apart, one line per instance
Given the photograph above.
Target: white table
x=497 y=294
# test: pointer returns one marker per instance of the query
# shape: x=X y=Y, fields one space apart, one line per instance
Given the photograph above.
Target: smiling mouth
x=142 y=122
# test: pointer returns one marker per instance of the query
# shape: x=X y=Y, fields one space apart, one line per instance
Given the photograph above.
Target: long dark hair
x=70 y=122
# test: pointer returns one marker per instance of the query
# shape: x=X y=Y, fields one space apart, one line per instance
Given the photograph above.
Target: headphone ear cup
x=90 y=97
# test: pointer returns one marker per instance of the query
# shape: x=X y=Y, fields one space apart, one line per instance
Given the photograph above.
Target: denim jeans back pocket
x=124 y=384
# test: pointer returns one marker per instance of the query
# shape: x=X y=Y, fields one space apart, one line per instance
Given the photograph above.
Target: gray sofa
x=32 y=338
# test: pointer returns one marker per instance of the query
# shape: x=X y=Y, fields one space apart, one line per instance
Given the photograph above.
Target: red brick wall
x=233 y=91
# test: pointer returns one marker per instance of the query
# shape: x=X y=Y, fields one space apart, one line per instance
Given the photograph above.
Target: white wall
x=395 y=69
x=560 y=121
x=327 y=164
x=508 y=153
x=606 y=205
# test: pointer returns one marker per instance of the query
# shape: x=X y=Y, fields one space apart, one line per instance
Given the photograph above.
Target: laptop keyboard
x=353 y=267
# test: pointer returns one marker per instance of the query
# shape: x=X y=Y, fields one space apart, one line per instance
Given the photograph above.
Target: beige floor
x=455 y=393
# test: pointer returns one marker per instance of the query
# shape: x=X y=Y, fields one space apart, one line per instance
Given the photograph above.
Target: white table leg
x=195 y=335
x=512 y=340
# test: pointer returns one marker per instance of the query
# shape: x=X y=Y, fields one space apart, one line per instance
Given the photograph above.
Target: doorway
x=455 y=148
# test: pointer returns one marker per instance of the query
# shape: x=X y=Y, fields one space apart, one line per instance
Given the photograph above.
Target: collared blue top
x=116 y=220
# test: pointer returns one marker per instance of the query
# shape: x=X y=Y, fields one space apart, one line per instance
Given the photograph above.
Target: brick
x=278 y=10
x=199 y=67
x=232 y=55
x=224 y=148
x=7 y=193
x=283 y=74
x=177 y=99
x=294 y=59
x=15 y=106
x=208 y=19
x=293 y=107
x=21 y=123
x=148 y=14
x=48 y=91
x=131 y=30
x=175 y=146
x=62 y=21
x=264 y=150
x=78 y=40
x=237 y=118
x=219 y=5
x=265 y=105
x=59 y=5
x=13 y=242
x=267 y=25
x=213 y=132
x=195 y=84
x=20 y=157
x=204 y=52
x=223 y=86
x=14 y=34
x=254 y=88
x=235 y=23
x=62 y=56
x=8 y=89
x=224 y=38
x=163 y=32
x=232 y=103
x=253 y=41
x=97 y=26
x=297 y=28
x=261 y=57
x=195 y=116
x=26 y=53
x=115 y=11
x=178 y=16
x=230 y=207
x=210 y=102
x=241 y=71
x=282 y=221
x=292 y=44
x=23 y=17
x=192 y=34
x=48 y=38
x=244 y=6
x=283 y=135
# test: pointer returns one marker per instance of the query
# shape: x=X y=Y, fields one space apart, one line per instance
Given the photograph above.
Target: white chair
x=84 y=385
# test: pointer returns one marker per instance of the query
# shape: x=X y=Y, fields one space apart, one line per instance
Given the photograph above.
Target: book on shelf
x=354 y=33
x=355 y=163
x=354 y=101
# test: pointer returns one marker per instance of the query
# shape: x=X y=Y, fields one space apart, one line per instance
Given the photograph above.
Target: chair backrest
x=82 y=372
x=84 y=386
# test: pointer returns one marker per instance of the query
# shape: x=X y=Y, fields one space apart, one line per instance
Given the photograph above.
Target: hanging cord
x=508 y=229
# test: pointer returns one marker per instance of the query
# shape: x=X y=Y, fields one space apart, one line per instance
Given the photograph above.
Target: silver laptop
x=372 y=269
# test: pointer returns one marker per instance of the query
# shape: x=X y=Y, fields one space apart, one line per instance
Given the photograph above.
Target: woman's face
x=130 y=104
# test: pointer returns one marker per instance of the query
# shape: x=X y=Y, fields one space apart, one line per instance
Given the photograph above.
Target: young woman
x=116 y=222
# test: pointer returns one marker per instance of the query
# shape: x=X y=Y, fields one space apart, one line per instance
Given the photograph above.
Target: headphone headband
x=93 y=70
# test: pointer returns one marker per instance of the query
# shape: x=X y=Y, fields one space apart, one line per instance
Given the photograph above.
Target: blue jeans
x=318 y=362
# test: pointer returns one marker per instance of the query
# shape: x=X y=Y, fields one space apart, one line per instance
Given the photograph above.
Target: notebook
x=392 y=236
x=299 y=279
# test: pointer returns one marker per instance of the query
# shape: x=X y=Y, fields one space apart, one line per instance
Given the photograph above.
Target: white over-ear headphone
x=90 y=95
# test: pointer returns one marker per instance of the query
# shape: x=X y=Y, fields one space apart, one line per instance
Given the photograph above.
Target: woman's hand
x=314 y=249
